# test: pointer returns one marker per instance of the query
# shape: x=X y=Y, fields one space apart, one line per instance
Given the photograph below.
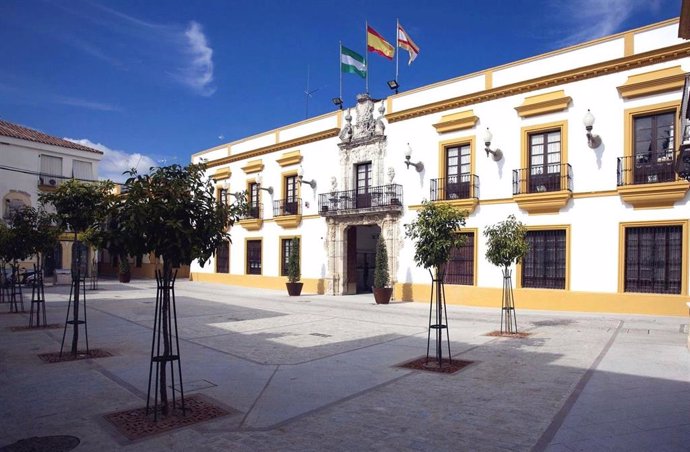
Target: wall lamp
x=593 y=140
x=419 y=166
x=300 y=178
x=393 y=85
x=497 y=154
x=338 y=102
x=225 y=186
x=260 y=179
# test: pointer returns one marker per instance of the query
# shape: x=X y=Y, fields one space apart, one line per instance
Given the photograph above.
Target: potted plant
x=294 y=287
x=506 y=244
x=381 y=289
x=125 y=274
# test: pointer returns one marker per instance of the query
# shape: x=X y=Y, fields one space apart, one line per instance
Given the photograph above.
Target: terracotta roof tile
x=7 y=129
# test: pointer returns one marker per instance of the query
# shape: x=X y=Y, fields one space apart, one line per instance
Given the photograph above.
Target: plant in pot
x=381 y=289
x=294 y=287
x=125 y=274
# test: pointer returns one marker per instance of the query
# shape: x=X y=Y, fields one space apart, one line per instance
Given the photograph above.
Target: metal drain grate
x=320 y=335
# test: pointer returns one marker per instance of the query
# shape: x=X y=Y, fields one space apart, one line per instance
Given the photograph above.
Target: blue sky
x=152 y=82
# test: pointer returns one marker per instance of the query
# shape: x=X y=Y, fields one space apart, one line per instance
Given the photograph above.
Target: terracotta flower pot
x=124 y=277
x=294 y=288
x=382 y=295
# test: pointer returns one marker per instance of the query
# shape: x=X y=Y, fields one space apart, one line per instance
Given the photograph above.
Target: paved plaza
x=319 y=373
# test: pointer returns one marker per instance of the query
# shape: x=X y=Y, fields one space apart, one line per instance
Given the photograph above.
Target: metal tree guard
x=438 y=295
x=77 y=280
x=38 y=299
x=16 y=297
x=508 y=319
x=164 y=320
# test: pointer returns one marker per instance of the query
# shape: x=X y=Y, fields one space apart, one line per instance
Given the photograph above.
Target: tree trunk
x=165 y=318
x=75 y=283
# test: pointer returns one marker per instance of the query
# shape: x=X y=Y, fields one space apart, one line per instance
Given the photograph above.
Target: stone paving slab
x=319 y=373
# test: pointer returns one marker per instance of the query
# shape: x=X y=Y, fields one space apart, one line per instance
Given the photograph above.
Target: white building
x=32 y=162
x=608 y=223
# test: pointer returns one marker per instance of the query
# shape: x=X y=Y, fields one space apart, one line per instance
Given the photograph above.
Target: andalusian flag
x=352 y=62
x=376 y=44
x=406 y=43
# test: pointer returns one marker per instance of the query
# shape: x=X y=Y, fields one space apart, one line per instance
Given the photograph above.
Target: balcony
x=460 y=191
x=287 y=213
x=537 y=191
x=385 y=198
x=650 y=180
x=252 y=219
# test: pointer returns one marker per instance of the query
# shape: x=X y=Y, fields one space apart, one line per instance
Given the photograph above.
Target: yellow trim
x=463 y=204
x=595 y=194
x=628 y=44
x=280 y=248
x=653 y=82
x=518 y=267
x=246 y=256
x=277 y=137
x=290 y=158
x=656 y=195
x=543 y=103
x=488 y=79
x=318 y=136
x=456 y=121
x=221 y=174
x=684 y=256
x=544 y=202
x=253 y=166
x=552 y=300
x=645 y=59
x=311 y=285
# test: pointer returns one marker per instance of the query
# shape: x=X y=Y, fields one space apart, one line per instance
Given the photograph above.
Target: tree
x=381 y=276
x=293 y=271
x=172 y=212
x=507 y=245
x=79 y=206
x=435 y=234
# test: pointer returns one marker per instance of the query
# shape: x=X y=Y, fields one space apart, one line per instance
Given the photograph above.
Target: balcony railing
x=253 y=212
x=649 y=168
x=464 y=186
x=50 y=180
x=374 y=199
x=285 y=207
x=558 y=176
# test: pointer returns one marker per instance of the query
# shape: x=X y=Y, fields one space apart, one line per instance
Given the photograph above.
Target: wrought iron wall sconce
x=259 y=180
x=419 y=166
x=593 y=140
x=300 y=178
x=497 y=154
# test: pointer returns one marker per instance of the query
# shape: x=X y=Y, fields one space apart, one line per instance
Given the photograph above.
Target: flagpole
x=340 y=69
x=366 y=53
x=397 y=48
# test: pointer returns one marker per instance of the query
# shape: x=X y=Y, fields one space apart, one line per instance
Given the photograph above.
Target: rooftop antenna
x=308 y=94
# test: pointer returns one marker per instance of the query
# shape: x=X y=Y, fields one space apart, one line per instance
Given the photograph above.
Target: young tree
x=507 y=245
x=293 y=270
x=79 y=206
x=172 y=212
x=435 y=233
x=381 y=276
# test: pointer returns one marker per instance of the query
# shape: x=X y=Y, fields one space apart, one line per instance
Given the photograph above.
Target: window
x=545 y=161
x=285 y=250
x=254 y=206
x=653 y=148
x=82 y=170
x=544 y=266
x=290 y=190
x=460 y=268
x=253 y=257
x=363 y=179
x=14 y=202
x=51 y=170
x=223 y=258
x=653 y=259
x=458 y=172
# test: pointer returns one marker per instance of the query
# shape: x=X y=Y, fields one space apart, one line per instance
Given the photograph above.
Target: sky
x=152 y=82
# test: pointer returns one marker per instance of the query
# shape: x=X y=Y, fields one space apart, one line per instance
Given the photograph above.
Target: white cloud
x=591 y=19
x=115 y=162
x=198 y=72
x=83 y=103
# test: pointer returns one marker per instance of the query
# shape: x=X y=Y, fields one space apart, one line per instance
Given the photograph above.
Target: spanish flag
x=376 y=44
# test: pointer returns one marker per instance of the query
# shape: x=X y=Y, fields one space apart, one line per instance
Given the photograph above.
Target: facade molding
x=653 y=82
x=543 y=103
x=456 y=121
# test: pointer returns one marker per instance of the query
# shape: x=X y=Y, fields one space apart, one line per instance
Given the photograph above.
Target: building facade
x=606 y=212
x=32 y=162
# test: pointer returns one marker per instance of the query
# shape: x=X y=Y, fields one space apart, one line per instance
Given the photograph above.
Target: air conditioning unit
x=52 y=182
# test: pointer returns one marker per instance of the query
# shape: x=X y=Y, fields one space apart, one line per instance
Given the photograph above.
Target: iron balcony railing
x=382 y=198
x=284 y=207
x=253 y=212
x=557 y=177
x=650 y=168
x=464 y=186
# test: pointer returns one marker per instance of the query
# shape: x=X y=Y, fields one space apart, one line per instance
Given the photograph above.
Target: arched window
x=14 y=201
